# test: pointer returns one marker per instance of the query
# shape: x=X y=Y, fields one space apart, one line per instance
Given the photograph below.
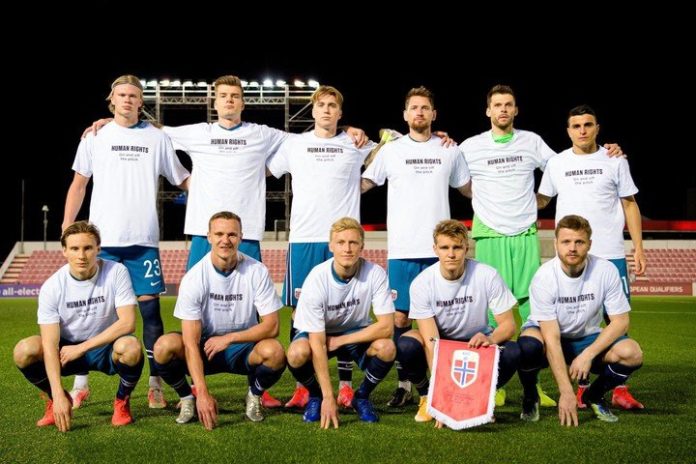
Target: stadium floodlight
x=268 y=82
x=245 y=83
x=175 y=83
x=299 y=83
x=280 y=83
x=152 y=83
x=253 y=84
x=312 y=83
x=143 y=82
x=187 y=84
x=202 y=84
x=164 y=82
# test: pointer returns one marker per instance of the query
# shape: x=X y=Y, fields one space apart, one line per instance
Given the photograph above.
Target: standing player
x=86 y=316
x=333 y=316
x=568 y=297
x=419 y=170
x=450 y=300
x=220 y=302
x=325 y=167
x=126 y=161
x=599 y=188
x=502 y=163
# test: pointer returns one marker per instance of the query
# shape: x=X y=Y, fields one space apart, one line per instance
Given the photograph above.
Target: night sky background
x=634 y=77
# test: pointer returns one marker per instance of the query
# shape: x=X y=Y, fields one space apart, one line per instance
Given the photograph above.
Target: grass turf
x=663 y=432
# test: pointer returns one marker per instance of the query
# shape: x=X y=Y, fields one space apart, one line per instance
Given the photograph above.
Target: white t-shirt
x=502 y=179
x=229 y=173
x=577 y=303
x=326 y=305
x=125 y=164
x=460 y=307
x=592 y=186
x=325 y=182
x=85 y=308
x=419 y=174
x=226 y=304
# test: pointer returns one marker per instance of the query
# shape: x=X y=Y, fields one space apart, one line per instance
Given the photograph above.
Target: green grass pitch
x=664 y=432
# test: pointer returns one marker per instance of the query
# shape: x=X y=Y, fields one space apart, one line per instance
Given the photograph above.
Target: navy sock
x=614 y=374
x=263 y=378
x=305 y=375
x=345 y=367
x=36 y=374
x=398 y=332
x=508 y=363
x=293 y=331
x=129 y=377
x=374 y=373
x=531 y=362
x=153 y=328
x=411 y=355
x=174 y=374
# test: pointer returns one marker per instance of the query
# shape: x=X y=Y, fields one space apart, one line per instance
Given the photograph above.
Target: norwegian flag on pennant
x=462 y=384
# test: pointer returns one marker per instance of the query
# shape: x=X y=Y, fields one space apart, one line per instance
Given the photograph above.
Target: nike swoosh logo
x=153 y=284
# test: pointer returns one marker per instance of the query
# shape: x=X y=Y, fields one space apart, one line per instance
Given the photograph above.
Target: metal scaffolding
x=293 y=99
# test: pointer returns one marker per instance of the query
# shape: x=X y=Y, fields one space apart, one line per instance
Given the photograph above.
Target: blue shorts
x=356 y=351
x=301 y=259
x=622 y=267
x=401 y=273
x=200 y=247
x=96 y=359
x=572 y=347
x=144 y=267
x=234 y=359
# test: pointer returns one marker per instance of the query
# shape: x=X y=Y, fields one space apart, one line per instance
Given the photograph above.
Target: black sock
x=374 y=373
x=153 y=328
x=508 y=362
x=129 y=377
x=36 y=374
x=398 y=332
x=411 y=356
x=531 y=362
x=345 y=367
x=614 y=374
x=305 y=375
x=263 y=378
x=174 y=374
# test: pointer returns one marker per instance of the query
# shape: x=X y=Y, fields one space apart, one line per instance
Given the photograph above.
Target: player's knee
x=166 y=347
x=385 y=349
x=271 y=352
x=409 y=348
x=128 y=350
x=27 y=351
x=299 y=353
x=631 y=354
x=531 y=352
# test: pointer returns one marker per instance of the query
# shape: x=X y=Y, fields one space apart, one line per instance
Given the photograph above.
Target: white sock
x=405 y=384
x=156 y=382
x=345 y=382
x=81 y=382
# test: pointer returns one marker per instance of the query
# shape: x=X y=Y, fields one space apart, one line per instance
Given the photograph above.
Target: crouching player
x=86 y=317
x=568 y=297
x=229 y=320
x=450 y=300
x=333 y=316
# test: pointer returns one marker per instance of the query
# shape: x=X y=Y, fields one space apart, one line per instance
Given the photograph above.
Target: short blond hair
x=451 y=228
x=125 y=79
x=347 y=223
x=323 y=90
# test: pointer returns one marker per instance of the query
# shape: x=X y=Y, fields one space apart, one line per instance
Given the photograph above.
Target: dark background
x=631 y=72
